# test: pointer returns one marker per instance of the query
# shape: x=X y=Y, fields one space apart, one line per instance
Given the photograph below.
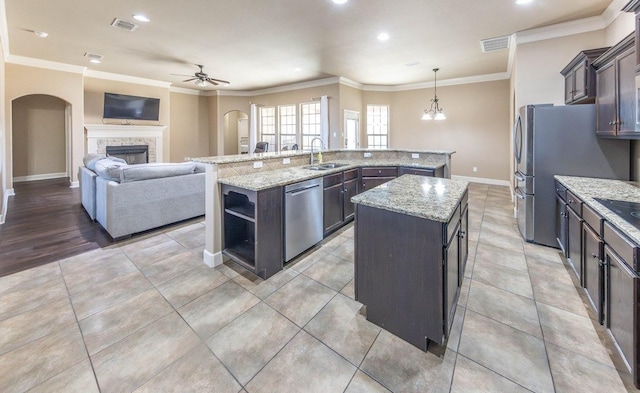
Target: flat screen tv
x=120 y=106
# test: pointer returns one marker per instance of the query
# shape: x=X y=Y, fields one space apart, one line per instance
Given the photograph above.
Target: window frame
x=316 y=124
x=287 y=124
x=371 y=120
x=273 y=135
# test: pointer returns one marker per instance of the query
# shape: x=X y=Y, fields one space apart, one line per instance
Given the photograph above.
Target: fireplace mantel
x=93 y=132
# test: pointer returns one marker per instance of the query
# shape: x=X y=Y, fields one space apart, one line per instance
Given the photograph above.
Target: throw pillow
x=155 y=170
x=110 y=169
x=90 y=160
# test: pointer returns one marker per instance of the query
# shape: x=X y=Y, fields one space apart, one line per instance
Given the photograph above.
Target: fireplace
x=133 y=154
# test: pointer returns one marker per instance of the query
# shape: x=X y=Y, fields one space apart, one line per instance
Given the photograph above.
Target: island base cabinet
x=401 y=266
x=622 y=310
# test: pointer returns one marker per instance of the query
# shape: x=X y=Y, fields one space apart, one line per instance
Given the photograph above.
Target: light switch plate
x=286 y=160
x=257 y=164
x=415 y=155
x=367 y=155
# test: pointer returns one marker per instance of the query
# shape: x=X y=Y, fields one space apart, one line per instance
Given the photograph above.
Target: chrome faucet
x=313 y=140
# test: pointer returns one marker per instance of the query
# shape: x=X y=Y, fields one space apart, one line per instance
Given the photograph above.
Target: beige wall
x=477 y=125
x=22 y=81
x=221 y=105
x=350 y=99
x=189 y=126
x=538 y=65
x=38 y=136
x=231 y=136
x=95 y=88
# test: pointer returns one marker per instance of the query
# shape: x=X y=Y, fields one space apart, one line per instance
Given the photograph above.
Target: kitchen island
x=410 y=254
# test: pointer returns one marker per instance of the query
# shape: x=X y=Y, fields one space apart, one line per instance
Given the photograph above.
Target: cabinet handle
x=462 y=233
x=570 y=201
x=594 y=256
x=379 y=172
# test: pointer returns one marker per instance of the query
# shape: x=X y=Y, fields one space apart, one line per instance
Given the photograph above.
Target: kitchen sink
x=325 y=167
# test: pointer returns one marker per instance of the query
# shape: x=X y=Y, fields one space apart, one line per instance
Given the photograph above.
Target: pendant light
x=434 y=111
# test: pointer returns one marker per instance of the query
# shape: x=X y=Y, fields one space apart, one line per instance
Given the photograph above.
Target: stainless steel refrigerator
x=558 y=140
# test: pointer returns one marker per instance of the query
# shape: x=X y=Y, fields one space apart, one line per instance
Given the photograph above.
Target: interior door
x=351 y=129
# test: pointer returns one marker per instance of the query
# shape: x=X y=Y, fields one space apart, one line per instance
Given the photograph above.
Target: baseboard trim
x=74 y=184
x=44 y=176
x=212 y=260
x=493 y=182
x=9 y=192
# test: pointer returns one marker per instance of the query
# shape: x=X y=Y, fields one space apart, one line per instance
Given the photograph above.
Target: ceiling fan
x=201 y=78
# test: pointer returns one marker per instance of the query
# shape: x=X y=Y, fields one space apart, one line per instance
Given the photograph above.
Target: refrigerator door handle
x=517 y=137
x=519 y=194
x=519 y=176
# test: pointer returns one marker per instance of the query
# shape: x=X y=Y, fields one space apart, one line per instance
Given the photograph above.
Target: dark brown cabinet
x=574 y=232
x=437 y=172
x=338 y=190
x=580 y=77
x=252 y=228
x=592 y=260
x=375 y=176
x=561 y=219
x=616 y=98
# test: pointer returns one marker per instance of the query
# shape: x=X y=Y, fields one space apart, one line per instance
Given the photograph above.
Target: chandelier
x=434 y=111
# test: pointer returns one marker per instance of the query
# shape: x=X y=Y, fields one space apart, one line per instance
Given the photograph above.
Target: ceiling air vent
x=494 y=44
x=123 y=24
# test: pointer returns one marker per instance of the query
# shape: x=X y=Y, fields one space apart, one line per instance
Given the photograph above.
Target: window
x=288 y=125
x=377 y=126
x=268 y=126
x=310 y=123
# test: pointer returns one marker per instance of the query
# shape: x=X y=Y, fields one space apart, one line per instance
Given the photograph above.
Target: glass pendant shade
x=434 y=112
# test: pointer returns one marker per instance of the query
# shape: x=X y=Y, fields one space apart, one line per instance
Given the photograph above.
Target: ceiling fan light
x=201 y=83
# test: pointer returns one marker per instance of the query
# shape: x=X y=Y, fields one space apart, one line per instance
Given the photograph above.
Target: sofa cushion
x=109 y=168
x=90 y=160
x=155 y=170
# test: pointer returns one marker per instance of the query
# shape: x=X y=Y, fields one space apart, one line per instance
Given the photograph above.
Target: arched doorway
x=40 y=137
x=236 y=133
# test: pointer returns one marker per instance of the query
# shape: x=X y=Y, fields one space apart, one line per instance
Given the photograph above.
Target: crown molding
x=444 y=82
x=4 y=30
x=126 y=78
x=231 y=93
x=350 y=83
x=46 y=64
x=297 y=86
x=613 y=11
x=561 y=30
x=182 y=90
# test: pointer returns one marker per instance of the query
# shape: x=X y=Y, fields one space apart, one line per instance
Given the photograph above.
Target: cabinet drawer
x=332 y=180
x=593 y=219
x=452 y=225
x=351 y=174
x=624 y=247
x=415 y=171
x=574 y=202
x=383 y=171
x=561 y=190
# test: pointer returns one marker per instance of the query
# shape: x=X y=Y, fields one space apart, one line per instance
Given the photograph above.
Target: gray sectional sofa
x=126 y=199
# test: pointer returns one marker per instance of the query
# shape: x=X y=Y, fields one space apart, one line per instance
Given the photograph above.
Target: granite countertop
x=282 y=177
x=291 y=153
x=588 y=188
x=425 y=197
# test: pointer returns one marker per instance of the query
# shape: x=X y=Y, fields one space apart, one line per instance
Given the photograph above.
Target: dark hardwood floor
x=46 y=222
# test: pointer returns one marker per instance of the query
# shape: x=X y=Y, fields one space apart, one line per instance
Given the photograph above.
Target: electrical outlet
x=257 y=164
x=334 y=134
x=415 y=155
x=475 y=169
x=367 y=155
x=286 y=161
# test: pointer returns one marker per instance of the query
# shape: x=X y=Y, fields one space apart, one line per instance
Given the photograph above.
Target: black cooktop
x=629 y=211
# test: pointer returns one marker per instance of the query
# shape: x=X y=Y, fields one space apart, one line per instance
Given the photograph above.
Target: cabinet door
x=580 y=81
x=463 y=243
x=568 y=88
x=593 y=270
x=561 y=224
x=350 y=189
x=332 y=207
x=451 y=282
x=626 y=84
x=574 y=224
x=415 y=171
x=622 y=306
x=606 y=100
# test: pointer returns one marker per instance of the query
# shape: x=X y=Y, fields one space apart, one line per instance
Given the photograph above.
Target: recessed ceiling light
x=523 y=1
x=141 y=18
x=383 y=37
x=340 y=1
x=94 y=57
x=95 y=61
x=297 y=69
x=41 y=34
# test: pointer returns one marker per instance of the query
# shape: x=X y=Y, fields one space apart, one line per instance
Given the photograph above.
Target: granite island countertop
x=282 y=177
x=588 y=188
x=425 y=197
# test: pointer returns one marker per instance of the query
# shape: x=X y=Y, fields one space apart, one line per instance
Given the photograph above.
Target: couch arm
x=87 y=180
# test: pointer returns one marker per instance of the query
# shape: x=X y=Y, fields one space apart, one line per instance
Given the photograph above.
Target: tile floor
x=147 y=316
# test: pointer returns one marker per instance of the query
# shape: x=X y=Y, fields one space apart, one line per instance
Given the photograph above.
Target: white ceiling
x=257 y=44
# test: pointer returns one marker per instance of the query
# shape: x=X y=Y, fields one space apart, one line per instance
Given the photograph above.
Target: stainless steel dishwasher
x=303 y=214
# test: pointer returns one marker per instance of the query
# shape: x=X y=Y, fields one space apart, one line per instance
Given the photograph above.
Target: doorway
x=351 y=129
x=39 y=138
x=236 y=132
